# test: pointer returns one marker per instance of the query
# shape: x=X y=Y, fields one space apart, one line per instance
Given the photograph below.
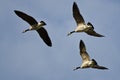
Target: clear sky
x=24 y=56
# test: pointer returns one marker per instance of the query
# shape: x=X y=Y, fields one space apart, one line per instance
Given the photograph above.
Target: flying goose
x=81 y=25
x=86 y=62
x=34 y=25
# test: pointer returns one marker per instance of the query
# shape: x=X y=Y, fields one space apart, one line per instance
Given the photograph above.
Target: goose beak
x=76 y=68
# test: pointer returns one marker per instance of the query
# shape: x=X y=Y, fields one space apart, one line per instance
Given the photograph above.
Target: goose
x=86 y=62
x=81 y=25
x=34 y=25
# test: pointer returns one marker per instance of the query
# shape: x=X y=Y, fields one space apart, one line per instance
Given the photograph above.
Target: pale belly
x=86 y=64
x=35 y=27
x=82 y=28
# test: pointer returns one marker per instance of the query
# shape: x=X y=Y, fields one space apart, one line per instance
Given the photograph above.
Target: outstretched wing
x=95 y=65
x=99 y=67
x=44 y=35
x=92 y=32
x=26 y=17
x=83 y=52
x=76 y=14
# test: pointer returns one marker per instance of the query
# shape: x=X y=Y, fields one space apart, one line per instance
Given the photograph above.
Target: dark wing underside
x=93 y=33
x=44 y=35
x=99 y=67
x=76 y=14
x=96 y=66
x=26 y=17
x=83 y=53
x=94 y=62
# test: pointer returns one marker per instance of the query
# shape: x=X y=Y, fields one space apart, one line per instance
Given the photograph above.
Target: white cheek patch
x=31 y=27
x=39 y=23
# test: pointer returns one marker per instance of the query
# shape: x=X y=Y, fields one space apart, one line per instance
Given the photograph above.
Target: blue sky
x=27 y=57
